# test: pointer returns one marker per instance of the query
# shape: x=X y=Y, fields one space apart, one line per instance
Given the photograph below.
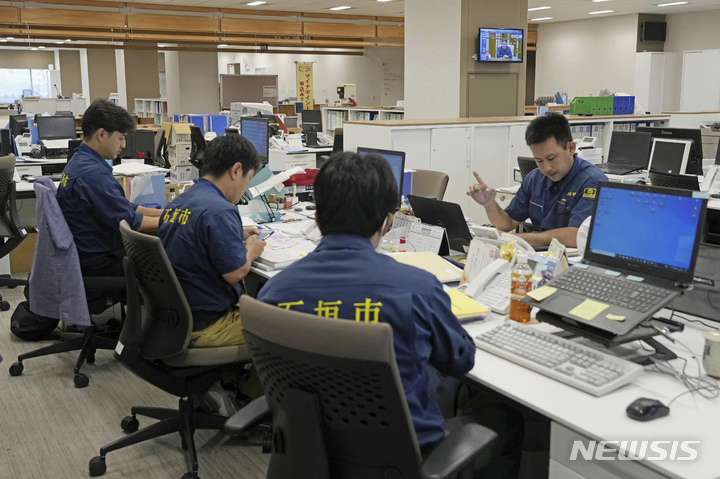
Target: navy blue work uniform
x=345 y=278
x=551 y=205
x=203 y=237
x=93 y=204
x=501 y=52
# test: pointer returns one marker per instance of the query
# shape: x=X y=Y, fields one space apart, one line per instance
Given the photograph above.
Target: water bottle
x=521 y=283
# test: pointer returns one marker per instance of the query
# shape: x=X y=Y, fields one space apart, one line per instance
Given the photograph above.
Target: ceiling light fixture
x=384 y=0
x=255 y=4
x=41 y=47
x=672 y=4
x=540 y=19
x=59 y=43
x=33 y=48
x=11 y=38
x=344 y=7
x=598 y=1
x=600 y=12
x=537 y=8
x=223 y=45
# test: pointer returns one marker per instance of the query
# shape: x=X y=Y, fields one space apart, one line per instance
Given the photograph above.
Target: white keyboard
x=497 y=296
x=315 y=236
x=578 y=366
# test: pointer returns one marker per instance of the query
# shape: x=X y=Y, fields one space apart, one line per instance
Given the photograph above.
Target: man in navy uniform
x=557 y=196
x=91 y=199
x=204 y=239
x=346 y=279
x=504 y=51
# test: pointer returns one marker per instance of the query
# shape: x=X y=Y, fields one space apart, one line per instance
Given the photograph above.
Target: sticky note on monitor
x=588 y=309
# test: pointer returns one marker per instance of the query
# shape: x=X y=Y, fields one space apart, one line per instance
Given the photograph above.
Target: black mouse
x=645 y=409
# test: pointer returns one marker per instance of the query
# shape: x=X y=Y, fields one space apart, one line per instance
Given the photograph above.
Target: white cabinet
x=656 y=81
x=450 y=153
x=700 y=86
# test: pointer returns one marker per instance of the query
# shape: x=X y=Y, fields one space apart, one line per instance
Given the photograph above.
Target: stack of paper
x=282 y=258
x=432 y=263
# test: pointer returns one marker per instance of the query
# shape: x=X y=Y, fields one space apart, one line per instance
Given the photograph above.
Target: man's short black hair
x=504 y=40
x=226 y=150
x=552 y=125
x=354 y=194
x=107 y=115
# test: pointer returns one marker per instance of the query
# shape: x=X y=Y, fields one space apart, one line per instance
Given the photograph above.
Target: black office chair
x=161 y=152
x=155 y=341
x=338 y=404
x=11 y=232
x=72 y=146
x=667 y=180
x=64 y=113
x=526 y=165
x=197 y=147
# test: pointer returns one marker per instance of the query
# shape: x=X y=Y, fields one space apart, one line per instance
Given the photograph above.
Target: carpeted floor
x=51 y=430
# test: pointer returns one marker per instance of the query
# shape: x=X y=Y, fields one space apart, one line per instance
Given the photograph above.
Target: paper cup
x=711 y=354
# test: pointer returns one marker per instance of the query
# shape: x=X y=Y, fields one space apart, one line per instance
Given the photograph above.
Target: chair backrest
x=161 y=148
x=338 y=142
x=430 y=184
x=166 y=322
x=7 y=170
x=668 y=180
x=11 y=229
x=526 y=165
x=350 y=370
x=72 y=146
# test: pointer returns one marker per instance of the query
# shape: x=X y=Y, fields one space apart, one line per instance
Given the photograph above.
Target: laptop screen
x=653 y=230
x=632 y=149
x=669 y=157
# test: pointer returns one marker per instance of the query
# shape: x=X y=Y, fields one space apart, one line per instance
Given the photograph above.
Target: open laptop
x=642 y=246
x=448 y=215
x=629 y=152
x=703 y=299
x=670 y=156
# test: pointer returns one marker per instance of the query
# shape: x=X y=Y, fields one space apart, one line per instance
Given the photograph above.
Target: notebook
x=432 y=263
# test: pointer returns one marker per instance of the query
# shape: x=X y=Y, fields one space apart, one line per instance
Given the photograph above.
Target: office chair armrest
x=459 y=451
x=248 y=417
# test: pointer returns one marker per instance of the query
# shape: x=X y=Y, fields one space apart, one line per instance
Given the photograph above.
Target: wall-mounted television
x=500 y=45
x=654 y=31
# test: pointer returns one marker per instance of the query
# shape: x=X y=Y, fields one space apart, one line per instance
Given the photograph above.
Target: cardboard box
x=183 y=174
x=21 y=258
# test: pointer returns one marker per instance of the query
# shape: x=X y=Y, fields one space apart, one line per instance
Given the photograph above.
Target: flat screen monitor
x=670 y=156
x=696 y=153
x=55 y=127
x=630 y=149
x=139 y=143
x=654 y=31
x=6 y=142
x=18 y=124
x=396 y=160
x=661 y=229
x=255 y=130
x=311 y=120
x=232 y=131
x=503 y=45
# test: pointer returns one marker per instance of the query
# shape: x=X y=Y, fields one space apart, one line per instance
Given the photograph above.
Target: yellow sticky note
x=542 y=293
x=615 y=317
x=588 y=309
x=463 y=305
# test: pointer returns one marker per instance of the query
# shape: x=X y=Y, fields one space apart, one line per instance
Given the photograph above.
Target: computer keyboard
x=315 y=236
x=578 y=366
x=497 y=296
x=639 y=297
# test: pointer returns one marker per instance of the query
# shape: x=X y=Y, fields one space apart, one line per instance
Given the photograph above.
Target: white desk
x=576 y=415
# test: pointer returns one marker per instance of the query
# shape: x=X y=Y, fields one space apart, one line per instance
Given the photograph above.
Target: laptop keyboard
x=610 y=289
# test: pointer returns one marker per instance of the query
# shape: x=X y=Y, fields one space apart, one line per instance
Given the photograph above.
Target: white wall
x=366 y=71
x=433 y=41
x=582 y=57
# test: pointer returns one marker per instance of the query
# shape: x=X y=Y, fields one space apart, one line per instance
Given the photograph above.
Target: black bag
x=29 y=326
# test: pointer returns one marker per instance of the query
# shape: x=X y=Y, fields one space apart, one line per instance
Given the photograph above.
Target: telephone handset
x=485 y=277
x=710 y=177
x=279 y=143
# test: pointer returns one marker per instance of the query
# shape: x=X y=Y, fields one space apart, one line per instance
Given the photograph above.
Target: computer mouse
x=645 y=409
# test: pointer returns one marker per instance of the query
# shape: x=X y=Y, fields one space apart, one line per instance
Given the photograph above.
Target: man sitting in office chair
x=346 y=278
x=204 y=239
x=504 y=51
x=91 y=199
x=557 y=196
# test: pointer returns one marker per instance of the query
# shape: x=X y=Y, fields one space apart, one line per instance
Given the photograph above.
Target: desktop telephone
x=279 y=143
x=711 y=181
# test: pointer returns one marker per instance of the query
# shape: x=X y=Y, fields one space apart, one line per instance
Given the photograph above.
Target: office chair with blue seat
x=338 y=405
x=11 y=232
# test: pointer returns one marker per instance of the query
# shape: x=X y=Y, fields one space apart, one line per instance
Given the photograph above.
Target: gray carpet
x=51 y=430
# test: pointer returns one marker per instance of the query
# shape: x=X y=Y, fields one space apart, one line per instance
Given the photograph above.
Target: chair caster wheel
x=129 y=424
x=113 y=325
x=4 y=306
x=81 y=381
x=16 y=369
x=97 y=466
x=190 y=475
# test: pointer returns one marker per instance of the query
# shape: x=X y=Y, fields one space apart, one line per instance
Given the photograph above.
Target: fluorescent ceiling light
x=11 y=38
x=540 y=19
x=33 y=48
x=223 y=45
x=3 y=41
x=598 y=1
x=59 y=43
x=68 y=40
x=344 y=7
x=601 y=11
x=384 y=0
x=672 y=4
x=537 y=8
x=255 y=4
x=41 y=47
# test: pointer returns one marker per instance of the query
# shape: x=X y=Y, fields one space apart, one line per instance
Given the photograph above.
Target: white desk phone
x=711 y=181
x=490 y=285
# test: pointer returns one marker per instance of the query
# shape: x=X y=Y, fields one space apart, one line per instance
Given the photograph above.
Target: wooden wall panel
x=391 y=31
x=532 y=37
x=341 y=30
x=71 y=18
x=260 y=27
x=176 y=23
x=9 y=15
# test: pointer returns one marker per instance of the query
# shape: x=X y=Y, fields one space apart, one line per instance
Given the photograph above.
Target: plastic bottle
x=521 y=282
x=403 y=245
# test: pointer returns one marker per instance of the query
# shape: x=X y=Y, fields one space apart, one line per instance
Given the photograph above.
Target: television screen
x=654 y=31
x=500 y=45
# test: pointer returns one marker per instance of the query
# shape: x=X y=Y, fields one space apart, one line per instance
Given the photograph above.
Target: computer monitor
x=396 y=160
x=232 y=131
x=631 y=149
x=6 y=142
x=137 y=143
x=696 y=154
x=311 y=120
x=55 y=127
x=660 y=230
x=670 y=156
x=255 y=130
x=18 y=124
